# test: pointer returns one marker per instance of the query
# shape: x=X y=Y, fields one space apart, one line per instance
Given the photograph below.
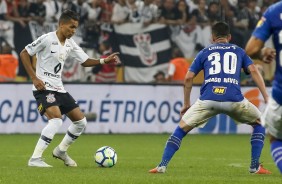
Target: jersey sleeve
x=37 y=45
x=247 y=61
x=196 y=65
x=263 y=28
x=78 y=54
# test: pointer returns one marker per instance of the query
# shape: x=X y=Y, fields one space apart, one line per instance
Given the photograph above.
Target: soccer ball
x=106 y=157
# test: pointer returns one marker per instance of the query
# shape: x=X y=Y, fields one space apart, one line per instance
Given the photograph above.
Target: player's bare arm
x=188 y=82
x=259 y=81
x=113 y=58
x=256 y=50
x=25 y=57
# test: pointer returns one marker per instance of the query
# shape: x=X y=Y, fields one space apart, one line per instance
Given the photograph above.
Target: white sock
x=46 y=137
x=74 y=131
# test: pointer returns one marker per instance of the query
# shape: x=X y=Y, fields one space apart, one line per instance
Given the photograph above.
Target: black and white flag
x=144 y=51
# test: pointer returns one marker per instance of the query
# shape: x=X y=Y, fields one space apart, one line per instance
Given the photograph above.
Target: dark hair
x=220 y=29
x=68 y=15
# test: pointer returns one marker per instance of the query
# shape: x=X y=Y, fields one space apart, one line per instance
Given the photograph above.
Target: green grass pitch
x=211 y=159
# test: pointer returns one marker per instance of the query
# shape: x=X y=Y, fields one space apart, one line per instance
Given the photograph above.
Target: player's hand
x=113 y=58
x=268 y=55
x=184 y=109
x=39 y=85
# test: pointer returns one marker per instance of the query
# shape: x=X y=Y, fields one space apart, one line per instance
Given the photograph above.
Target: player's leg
x=53 y=114
x=79 y=122
x=272 y=120
x=276 y=151
x=172 y=145
x=47 y=105
x=195 y=116
x=257 y=143
x=75 y=129
x=246 y=112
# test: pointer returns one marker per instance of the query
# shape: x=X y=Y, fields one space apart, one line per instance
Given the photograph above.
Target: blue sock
x=172 y=145
x=276 y=152
x=257 y=142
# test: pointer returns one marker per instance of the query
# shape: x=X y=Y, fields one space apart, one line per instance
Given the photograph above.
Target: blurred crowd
x=193 y=17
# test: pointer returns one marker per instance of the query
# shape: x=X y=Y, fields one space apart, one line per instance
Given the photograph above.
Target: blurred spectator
x=107 y=10
x=6 y=26
x=148 y=12
x=170 y=14
x=22 y=11
x=8 y=64
x=37 y=11
x=201 y=14
x=68 y=5
x=105 y=73
x=213 y=12
x=238 y=20
x=53 y=10
x=203 y=21
x=253 y=16
x=91 y=22
x=120 y=12
x=192 y=5
x=134 y=15
x=178 y=67
x=184 y=11
x=83 y=9
x=159 y=77
x=93 y=9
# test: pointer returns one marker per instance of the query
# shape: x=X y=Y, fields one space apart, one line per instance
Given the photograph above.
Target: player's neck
x=221 y=40
x=61 y=37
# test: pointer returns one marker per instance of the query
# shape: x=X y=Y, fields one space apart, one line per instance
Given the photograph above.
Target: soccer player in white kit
x=51 y=50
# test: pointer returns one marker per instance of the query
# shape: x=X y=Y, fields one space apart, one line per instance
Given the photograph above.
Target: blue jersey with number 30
x=271 y=24
x=222 y=63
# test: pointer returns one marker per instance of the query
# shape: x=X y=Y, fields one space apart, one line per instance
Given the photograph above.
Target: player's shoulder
x=274 y=9
x=71 y=43
x=46 y=37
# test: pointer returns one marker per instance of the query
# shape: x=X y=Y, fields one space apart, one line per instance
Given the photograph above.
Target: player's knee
x=81 y=123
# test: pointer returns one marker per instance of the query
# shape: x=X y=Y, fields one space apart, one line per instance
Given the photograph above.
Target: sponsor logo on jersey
x=55 y=43
x=260 y=22
x=51 y=75
x=50 y=98
x=40 y=107
x=67 y=45
x=219 y=90
x=36 y=43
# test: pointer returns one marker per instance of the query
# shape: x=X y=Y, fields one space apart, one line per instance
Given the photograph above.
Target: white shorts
x=271 y=118
x=202 y=110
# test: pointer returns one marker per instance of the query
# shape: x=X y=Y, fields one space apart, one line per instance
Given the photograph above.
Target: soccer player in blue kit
x=271 y=24
x=220 y=93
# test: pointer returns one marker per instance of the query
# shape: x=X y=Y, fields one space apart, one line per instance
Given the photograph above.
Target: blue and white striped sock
x=172 y=145
x=257 y=142
x=276 y=152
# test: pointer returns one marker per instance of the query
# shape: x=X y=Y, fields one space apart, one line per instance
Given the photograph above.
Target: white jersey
x=51 y=56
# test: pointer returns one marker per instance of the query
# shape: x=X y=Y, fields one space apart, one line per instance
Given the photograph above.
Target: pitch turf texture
x=211 y=159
